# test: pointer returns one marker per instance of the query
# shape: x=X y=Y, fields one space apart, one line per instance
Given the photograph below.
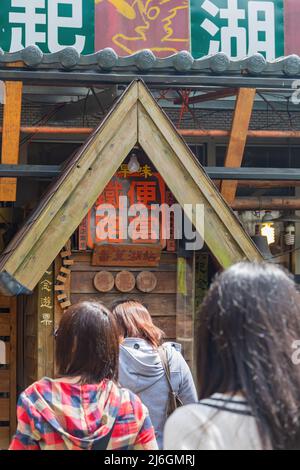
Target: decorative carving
x=125 y=281
x=146 y=281
x=63 y=277
x=104 y=281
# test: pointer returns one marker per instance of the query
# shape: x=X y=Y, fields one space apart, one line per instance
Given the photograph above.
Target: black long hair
x=249 y=320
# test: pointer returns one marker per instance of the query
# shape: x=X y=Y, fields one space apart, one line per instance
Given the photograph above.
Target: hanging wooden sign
x=125 y=212
x=126 y=255
x=125 y=281
x=104 y=281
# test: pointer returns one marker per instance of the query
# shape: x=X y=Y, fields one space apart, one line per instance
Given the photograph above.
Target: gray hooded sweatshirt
x=141 y=371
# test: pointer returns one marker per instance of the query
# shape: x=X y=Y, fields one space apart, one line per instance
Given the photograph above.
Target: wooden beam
x=253 y=184
x=213 y=133
x=11 y=137
x=266 y=203
x=214 y=95
x=238 y=137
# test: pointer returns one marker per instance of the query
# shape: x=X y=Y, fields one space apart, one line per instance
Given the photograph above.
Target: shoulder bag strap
x=165 y=363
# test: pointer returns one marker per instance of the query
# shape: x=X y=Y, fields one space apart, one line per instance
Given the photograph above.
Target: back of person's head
x=87 y=343
x=250 y=319
x=134 y=321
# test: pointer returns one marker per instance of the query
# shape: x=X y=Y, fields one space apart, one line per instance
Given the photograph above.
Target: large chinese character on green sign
x=237 y=27
x=50 y=24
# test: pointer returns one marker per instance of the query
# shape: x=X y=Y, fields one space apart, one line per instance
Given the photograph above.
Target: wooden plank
x=4 y=409
x=4 y=438
x=30 y=370
x=221 y=240
x=185 y=305
x=4 y=381
x=238 y=136
x=11 y=136
x=65 y=222
x=158 y=138
x=167 y=325
x=158 y=305
x=4 y=324
x=123 y=118
x=83 y=282
x=13 y=366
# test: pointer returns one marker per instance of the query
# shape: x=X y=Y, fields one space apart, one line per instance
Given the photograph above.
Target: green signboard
x=50 y=24
x=237 y=27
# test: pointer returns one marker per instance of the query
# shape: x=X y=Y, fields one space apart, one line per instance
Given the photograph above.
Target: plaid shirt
x=56 y=415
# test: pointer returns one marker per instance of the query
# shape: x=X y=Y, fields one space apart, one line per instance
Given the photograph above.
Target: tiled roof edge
x=106 y=60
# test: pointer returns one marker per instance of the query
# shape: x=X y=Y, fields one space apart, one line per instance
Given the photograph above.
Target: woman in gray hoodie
x=140 y=366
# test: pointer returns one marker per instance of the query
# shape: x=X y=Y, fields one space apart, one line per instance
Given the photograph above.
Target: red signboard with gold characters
x=132 y=25
x=124 y=211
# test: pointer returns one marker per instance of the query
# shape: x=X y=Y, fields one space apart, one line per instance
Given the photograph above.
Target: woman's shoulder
x=194 y=413
x=182 y=427
x=132 y=404
x=39 y=385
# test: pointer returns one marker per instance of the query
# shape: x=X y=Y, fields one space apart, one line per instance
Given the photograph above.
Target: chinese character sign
x=50 y=24
x=131 y=25
x=238 y=28
x=123 y=212
x=45 y=298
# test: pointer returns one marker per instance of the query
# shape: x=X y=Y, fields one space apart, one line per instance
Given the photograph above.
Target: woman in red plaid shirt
x=83 y=409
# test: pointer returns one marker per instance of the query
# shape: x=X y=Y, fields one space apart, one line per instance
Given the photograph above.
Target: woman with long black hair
x=249 y=385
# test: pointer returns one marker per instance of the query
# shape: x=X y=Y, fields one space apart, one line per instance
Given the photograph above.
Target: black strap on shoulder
x=227 y=408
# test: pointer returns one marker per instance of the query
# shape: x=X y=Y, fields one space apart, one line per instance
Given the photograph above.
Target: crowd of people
x=120 y=386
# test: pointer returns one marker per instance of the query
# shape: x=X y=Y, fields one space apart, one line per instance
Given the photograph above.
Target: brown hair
x=134 y=321
x=87 y=343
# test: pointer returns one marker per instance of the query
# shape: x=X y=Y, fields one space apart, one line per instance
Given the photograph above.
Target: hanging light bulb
x=289 y=234
x=267 y=228
x=133 y=164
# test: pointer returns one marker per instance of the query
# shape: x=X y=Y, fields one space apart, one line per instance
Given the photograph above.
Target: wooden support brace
x=68 y=262
x=65 y=271
x=61 y=297
x=238 y=137
x=65 y=304
x=59 y=287
x=65 y=254
x=11 y=137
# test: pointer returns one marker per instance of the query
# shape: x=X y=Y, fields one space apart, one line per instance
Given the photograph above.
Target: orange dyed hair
x=134 y=321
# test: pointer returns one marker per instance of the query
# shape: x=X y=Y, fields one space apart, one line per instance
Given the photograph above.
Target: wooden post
x=185 y=307
x=238 y=137
x=201 y=288
x=8 y=386
x=11 y=137
x=45 y=326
